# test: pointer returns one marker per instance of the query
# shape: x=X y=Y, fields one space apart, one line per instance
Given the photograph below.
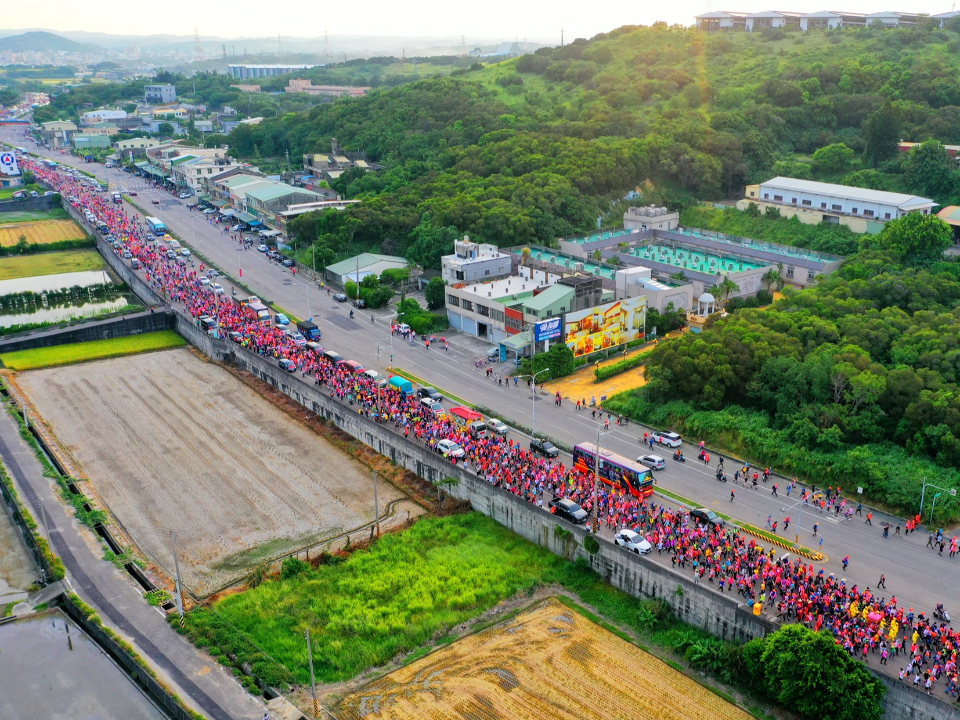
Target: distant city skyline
x=535 y=20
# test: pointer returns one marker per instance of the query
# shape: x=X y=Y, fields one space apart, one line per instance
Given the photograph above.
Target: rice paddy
x=40 y=233
x=54 y=263
x=548 y=663
x=94 y=350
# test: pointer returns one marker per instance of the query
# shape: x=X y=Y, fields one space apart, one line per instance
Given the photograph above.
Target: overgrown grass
x=95 y=350
x=54 y=263
x=21 y=216
x=407 y=590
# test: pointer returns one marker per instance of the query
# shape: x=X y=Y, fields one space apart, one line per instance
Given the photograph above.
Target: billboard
x=547 y=329
x=8 y=164
x=605 y=326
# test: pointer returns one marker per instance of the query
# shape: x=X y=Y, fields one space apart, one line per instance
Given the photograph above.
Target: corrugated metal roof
x=845 y=191
x=553 y=294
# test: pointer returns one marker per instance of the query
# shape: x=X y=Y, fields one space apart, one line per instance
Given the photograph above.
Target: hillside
x=540 y=146
x=40 y=41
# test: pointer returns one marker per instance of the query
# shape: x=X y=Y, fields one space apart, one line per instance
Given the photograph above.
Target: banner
x=546 y=329
x=8 y=164
x=605 y=326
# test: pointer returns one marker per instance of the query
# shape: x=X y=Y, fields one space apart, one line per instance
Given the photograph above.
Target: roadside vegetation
x=95 y=350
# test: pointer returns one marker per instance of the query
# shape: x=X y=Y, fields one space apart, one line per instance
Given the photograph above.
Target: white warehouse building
x=860 y=209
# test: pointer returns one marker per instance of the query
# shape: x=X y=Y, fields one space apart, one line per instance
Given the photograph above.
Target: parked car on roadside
x=670 y=439
x=449 y=448
x=707 y=516
x=633 y=541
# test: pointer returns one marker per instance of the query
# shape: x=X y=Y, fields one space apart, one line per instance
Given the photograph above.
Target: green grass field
x=20 y=217
x=388 y=600
x=54 y=263
x=95 y=350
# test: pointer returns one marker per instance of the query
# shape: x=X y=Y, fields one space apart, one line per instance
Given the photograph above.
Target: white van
x=174 y=245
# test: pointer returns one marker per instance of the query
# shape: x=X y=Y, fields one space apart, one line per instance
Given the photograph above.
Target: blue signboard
x=547 y=329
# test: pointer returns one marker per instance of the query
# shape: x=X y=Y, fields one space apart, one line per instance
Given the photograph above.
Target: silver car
x=652 y=461
x=497 y=426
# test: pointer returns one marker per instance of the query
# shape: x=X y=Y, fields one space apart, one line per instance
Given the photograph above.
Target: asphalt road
x=915 y=574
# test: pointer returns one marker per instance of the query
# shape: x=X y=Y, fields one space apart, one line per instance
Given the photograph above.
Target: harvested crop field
x=171 y=442
x=40 y=233
x=548 y=663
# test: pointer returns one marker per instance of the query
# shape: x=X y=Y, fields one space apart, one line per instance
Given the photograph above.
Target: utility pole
x=376 y=502
x=176 y=567
x=313 y=682
x=596 y=483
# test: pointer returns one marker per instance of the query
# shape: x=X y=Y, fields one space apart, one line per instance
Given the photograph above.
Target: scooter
x=941 y=614
x=679 y=458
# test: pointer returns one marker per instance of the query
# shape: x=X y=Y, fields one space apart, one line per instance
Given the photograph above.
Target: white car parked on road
x=632 y=541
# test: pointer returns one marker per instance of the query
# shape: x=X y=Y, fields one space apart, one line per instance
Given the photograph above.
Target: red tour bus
x=615 y=470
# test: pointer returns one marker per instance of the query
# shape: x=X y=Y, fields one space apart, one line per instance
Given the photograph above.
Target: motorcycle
x=679 y=458
x=941 y=614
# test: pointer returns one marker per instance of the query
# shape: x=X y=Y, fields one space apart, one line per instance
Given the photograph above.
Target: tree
x=773 y=279
x=929 y=170
x=430 y=243
x=165 y=129
x=866 y=178
x=725 y=287
x=800 y=668
x=833 y=159
x=792 y=169
x=882 y=133
x=435 y=293
x=916 y=238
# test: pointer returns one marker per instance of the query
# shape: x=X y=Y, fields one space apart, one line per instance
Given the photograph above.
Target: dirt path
x=172 y=443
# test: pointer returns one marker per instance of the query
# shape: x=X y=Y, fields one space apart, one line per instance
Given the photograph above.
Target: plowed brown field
x=170 y=442
x=549 y=663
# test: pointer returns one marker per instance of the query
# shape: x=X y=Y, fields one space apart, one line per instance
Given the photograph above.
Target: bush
x=559 y=359
x=395 y=276
x=372 y=292
x=602 y=373
x=292 y=567
x=421 y=321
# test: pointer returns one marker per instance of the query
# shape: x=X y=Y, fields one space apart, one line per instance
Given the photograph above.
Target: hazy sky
x=496 y=19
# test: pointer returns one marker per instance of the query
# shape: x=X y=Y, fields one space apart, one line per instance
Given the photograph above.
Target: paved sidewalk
x=200 y=681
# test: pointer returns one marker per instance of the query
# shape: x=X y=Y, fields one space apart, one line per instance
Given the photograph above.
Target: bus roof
x=610 y=455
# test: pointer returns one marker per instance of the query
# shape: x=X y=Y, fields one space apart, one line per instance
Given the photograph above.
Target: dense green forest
x=854 y=381
x=543 y=145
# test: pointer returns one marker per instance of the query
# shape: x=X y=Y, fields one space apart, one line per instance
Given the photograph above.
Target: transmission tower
x=197 y=47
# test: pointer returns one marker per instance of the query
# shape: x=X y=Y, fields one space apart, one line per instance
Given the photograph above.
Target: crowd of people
x=865 y=624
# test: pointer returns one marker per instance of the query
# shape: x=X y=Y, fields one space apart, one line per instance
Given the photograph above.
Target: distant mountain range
x=42 y=41
x=235 y=48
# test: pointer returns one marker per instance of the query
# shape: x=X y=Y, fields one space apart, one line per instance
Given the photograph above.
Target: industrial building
x=822 y=20
x=860 y=209
x=241 y=72
x=473 y=262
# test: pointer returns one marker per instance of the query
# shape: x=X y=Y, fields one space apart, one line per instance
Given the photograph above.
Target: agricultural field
x=548 y=663
x=53 y=263
x=173 y=443
x=22 y=216
x=93 y=350
x=40 y=233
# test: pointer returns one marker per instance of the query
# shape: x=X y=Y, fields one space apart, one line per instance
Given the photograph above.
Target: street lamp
x=596 y=480
x=923 y=490
x=379 y=383
x=533 y=399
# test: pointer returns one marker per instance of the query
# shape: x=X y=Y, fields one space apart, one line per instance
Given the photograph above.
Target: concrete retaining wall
x=30 y=204
x=135 y=324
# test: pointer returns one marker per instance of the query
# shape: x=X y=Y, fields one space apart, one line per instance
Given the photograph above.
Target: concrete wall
x=135 y=324
x=30 y=204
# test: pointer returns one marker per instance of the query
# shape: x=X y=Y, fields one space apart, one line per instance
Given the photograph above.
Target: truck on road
x=309 y=330
x=403 y=385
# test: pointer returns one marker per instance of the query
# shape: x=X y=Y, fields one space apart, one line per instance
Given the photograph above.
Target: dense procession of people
x=867 y=625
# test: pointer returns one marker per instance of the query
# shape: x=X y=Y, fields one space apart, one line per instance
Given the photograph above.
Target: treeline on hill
x=539 y=147
x=854 y=381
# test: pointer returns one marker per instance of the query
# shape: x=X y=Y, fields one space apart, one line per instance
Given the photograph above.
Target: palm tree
x=725 y=287
x=774 y=279
x=597 y=255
